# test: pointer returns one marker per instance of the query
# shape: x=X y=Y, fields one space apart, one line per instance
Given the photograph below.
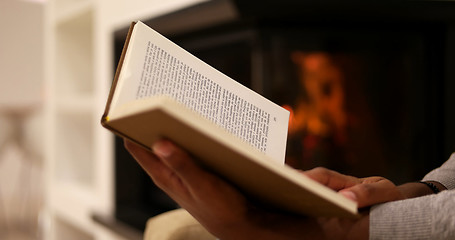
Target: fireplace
x=369 y=86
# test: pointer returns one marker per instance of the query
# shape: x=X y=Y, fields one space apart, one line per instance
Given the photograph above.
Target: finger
x=374 y=190
x=191 y=174
x=332 y=179
x=146 y=159
x=163 y=176
x=213 y=200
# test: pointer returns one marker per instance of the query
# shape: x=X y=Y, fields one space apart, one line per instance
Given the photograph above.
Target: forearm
x=428 y=217
x=360 y=230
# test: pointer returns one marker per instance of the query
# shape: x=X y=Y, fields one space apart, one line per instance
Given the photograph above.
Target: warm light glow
x=321 y=110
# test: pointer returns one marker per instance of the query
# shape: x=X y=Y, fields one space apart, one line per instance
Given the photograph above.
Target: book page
x=155 y=66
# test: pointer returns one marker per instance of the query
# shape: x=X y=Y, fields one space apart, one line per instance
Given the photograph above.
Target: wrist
x=431 y=186
x=435 y=186
x=418 y=189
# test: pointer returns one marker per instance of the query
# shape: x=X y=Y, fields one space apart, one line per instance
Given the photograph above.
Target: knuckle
x=365 y=190
x=321 y=170
x=165 y=180
x=321 y=175
x=373 y=179
x=178 y=161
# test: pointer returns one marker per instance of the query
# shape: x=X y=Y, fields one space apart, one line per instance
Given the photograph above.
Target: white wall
x=21 y=98
x=21 y=52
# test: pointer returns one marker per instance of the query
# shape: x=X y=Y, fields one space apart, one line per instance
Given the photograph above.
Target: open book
x=162 y=91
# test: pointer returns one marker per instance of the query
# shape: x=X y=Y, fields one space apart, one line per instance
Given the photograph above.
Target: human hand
x=215 y=204
x=222 y=209
x=365 y=191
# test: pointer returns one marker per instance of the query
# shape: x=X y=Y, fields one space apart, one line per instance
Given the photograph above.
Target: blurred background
x=369 y=86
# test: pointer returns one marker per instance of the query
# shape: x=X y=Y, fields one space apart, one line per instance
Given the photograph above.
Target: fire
x=320 y=109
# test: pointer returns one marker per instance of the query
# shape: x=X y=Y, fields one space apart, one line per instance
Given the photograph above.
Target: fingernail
x=349 y=194
x=162 y=149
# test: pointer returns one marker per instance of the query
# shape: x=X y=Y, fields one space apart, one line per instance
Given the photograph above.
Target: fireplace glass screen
x=364 y=99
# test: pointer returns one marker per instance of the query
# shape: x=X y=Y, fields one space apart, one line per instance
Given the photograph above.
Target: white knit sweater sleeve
x=428 y=217
x=444 y=174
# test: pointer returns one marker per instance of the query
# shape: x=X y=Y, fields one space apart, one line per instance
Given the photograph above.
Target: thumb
x=372 y=191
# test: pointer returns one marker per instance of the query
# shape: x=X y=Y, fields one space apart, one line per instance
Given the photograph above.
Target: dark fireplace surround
x=383 y=74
